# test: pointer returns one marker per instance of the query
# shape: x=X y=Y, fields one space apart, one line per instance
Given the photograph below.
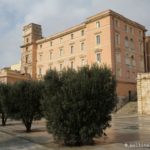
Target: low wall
x=123 y=88
x=143 y=93
x=126 y=91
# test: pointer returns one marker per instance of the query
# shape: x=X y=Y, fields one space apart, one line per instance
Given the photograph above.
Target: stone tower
x=31 y=33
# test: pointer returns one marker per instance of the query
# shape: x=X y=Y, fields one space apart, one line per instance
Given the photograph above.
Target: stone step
x=129 y=108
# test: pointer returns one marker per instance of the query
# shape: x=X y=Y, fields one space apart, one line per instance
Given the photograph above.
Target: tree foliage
x=25 y=103
x=78 y=104
x=5 y=97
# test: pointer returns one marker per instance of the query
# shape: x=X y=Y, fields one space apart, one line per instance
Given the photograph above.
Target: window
x=118 y=72
x=50 y=55
x=116 y=22
x=118 y=57
x=82 y=46
x=40 y=71
x=131 y=30
x=97 y=24
x=61 y=52
x=140 y=34
x=117 y=39
x=51 y=43
x=72 y=36
x=126 y=42
x=127 y=60
x=41 y=46
x=40 y=57
x=132 y=43
x=82 y=33
x=27 y=58
x=27 y=40
x=82 y=62
x=71 y=49
x=72 y=64
x=27 y=48
x=132 y=61
x=60 y=67
x=126 y=28
x=25 y=69
x=141 y=47
x=98 y=39
x=98 y=57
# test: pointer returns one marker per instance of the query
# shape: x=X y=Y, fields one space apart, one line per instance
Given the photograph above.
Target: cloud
x=55 y=16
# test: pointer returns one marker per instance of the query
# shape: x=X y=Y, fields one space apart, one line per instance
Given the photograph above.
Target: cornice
x=89 y=20
x=116 y=15
x=60 y=34
x=28 y=44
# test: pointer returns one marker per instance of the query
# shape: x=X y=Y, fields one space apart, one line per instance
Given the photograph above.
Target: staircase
x=129 y=108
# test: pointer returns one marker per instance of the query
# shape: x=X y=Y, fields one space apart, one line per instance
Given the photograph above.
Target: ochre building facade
x=147 y=54
x=106 y=38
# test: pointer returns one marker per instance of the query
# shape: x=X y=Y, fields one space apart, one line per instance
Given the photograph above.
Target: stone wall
x=143 y=93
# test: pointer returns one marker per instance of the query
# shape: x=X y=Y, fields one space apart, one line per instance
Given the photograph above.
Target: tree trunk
x=27 y=124
x=28 y=127
x=4 y=119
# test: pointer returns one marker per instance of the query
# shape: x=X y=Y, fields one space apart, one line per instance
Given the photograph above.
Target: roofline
x=65 y=32
x=110 y=12
x=93 y=18
x=31 y=24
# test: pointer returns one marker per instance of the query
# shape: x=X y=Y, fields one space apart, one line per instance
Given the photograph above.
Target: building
x=143 y=92
x=147 y=54
x=16 y=67
x=106 y=38
x=11 y=76
x=31 y=34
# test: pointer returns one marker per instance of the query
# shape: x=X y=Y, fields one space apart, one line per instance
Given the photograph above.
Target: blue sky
x=55 y=16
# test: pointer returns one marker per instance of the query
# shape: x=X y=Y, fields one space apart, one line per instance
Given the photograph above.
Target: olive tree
x=25 y=104
x=5 y=97
x=78 y=104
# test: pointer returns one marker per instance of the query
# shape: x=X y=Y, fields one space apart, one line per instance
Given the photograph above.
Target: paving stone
x=125 y=130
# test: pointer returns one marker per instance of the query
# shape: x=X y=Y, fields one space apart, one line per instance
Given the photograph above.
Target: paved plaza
x=127 y=132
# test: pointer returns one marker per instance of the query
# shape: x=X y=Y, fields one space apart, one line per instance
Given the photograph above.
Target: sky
x=55 y=16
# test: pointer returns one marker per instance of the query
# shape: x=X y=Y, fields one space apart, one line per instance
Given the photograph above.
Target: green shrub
x=78 y=104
